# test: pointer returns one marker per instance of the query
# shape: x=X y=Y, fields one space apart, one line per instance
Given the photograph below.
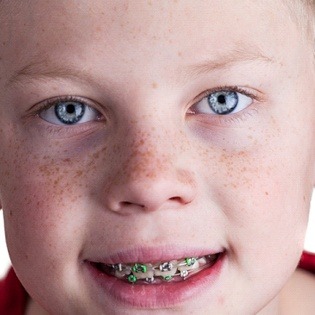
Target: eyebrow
x=43 y=69
x=228 y=60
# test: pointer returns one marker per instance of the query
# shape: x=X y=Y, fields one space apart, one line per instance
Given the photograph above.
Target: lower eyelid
x=231 y=120
x=54 y=131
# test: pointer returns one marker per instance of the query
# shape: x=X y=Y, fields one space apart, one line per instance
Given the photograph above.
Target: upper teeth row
x=164 y=270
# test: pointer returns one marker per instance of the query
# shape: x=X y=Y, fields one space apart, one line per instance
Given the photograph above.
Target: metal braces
x=165 y=271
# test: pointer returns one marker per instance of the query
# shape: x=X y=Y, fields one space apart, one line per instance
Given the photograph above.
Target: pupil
x=221 y=99
x=70 y=109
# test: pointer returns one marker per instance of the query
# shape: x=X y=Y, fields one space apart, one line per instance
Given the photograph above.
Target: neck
x=272 y=308
x=34 y=308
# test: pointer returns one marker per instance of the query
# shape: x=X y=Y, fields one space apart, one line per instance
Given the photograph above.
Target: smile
x=155 y=273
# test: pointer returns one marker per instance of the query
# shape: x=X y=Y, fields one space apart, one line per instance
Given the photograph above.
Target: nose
x=150 y=175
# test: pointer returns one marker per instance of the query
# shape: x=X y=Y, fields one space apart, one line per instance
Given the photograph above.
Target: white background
x=5 y=261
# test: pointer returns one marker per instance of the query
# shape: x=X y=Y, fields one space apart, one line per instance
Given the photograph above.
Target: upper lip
x=153 y=254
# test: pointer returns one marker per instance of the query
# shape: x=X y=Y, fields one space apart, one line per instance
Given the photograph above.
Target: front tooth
x=166 y=269
x=167 y=266
x=142 y=271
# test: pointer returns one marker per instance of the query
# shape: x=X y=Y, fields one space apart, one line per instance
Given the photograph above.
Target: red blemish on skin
x=154 y=85
x=221 y=300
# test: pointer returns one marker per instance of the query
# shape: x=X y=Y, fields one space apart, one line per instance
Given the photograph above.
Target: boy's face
x=153 y=172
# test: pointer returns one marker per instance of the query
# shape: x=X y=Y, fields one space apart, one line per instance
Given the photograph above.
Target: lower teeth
x=161 y=272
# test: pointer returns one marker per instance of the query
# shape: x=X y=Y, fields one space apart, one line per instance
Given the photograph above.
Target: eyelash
x=233 y=88
x=67 y=98
x=229 y=118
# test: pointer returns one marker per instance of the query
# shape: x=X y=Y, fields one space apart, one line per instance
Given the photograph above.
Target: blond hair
x=303 y=13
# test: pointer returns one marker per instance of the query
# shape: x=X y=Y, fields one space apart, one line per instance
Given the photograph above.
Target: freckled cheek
x=36 y=181
x=255 y=179
x=263 y=195
x=51 y=175
x=40 y=208
x=39 y=191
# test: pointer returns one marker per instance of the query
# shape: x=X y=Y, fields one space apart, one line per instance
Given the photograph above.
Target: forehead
x=140 y=17
x=119 y=32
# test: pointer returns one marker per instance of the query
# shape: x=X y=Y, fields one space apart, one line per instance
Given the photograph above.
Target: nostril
x=178 y=199
x=128 y=204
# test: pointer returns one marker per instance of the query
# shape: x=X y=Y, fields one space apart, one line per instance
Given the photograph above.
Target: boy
x=157 y=157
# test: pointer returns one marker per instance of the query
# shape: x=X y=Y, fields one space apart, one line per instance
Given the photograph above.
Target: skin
x=241 y=182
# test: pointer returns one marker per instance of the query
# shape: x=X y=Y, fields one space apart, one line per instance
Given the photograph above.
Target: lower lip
x=153 y=296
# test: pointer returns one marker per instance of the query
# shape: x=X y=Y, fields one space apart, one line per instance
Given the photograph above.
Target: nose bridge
x=151 y=173
x=148 y=154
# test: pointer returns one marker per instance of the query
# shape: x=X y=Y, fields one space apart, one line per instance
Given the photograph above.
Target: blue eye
x=69 y=112
x=223 y=102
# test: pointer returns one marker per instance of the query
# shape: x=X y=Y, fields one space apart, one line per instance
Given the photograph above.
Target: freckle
x=179 y=54
x=79 y=173
x=266 y=193
x=96 y=155
x=154 y=85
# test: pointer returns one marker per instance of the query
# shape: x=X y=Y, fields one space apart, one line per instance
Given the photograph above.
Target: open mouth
x=158 y=272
